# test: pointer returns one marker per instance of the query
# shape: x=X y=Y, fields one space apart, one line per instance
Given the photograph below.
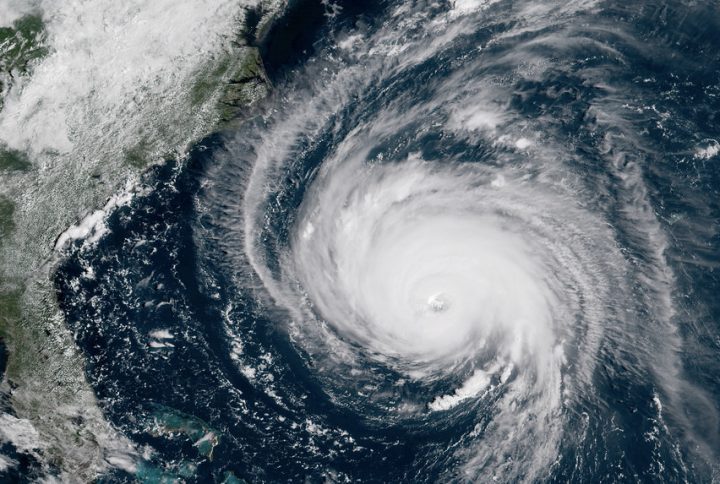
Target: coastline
x=43 y=381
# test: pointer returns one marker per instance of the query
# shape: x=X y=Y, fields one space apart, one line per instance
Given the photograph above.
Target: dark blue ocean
x=216 y=334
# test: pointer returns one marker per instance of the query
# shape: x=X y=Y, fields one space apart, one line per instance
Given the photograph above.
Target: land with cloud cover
x=91 y=94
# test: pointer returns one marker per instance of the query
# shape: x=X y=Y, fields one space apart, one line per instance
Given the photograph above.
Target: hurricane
x=460 y=242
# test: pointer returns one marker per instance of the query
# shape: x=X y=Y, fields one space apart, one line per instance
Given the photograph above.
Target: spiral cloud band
x=440 y=251
x=437 y=269
x=483 y=278
x=459 y=241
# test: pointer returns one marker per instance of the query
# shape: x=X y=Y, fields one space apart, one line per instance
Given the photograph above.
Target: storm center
x=437 y=302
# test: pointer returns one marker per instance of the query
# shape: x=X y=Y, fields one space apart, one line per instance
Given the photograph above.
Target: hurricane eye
x=438 y=303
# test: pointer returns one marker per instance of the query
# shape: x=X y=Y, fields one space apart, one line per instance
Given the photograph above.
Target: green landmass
x=21 y=45
x=9 y=312
x=138 y=155
x=247 y=85
x=238 y=77
x=208 y=83
x=13 y=160
x=7 y=225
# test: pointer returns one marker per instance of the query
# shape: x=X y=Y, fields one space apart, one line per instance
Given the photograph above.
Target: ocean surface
x=461 y=241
